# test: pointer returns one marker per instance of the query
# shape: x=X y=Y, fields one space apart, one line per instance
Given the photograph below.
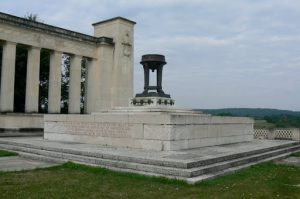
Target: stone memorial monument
x=145 y=133
x=150 y=122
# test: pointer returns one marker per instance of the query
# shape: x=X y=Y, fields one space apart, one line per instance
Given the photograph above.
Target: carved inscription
x=103 y=129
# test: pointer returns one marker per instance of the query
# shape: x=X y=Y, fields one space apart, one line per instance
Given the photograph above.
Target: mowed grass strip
x=296 y=154
x=71 y=180
x=7 y=153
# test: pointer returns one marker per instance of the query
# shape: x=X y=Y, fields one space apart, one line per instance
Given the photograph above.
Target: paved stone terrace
x=183 y=156
x=17 y=163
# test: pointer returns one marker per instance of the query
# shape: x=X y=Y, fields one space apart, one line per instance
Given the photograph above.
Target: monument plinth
x=149 y=122
x=152 y=96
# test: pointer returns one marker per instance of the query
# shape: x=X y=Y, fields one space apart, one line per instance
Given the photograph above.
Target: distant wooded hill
x=250 y=112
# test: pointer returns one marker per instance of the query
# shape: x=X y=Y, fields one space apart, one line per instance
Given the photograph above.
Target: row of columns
x=32 y=80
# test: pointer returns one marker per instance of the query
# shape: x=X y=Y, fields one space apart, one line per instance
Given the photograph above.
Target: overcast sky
x=220 y=53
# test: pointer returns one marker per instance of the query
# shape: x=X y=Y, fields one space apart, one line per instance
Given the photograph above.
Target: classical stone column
x=32 y=80
x=90 y=86
x=54 y=94
x=8 y=77
x=85 y=107
x=75 y=84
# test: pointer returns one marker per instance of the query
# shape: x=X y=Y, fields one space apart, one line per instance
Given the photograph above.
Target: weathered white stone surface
x=75 y=84
x=35 y=38
x=54 y=82
x=21 y=121
x=8 y=77
x=154 y=129
x=192 y=165
x=121 y=69
x=32 y=80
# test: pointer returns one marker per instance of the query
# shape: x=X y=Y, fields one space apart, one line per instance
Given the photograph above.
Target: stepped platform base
x=11 y=133
x=192 y=165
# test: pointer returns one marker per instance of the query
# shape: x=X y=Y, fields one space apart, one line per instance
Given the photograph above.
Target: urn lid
x=153 y=58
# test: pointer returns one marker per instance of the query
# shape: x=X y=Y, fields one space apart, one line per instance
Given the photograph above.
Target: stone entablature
x=109 y=56
x=57 y=31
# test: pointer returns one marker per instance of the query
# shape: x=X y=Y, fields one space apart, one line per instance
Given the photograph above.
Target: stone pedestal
x=163 y=129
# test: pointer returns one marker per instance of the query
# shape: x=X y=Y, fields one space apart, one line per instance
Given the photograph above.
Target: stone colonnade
x=109 y=77
x=32 y=80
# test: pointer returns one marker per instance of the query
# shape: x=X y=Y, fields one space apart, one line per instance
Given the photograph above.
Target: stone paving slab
x=16 y=163
x=183 y=156
x=293 y=161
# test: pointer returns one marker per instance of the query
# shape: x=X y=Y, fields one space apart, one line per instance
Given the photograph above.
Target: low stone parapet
x=21 y=122
x=281 y=134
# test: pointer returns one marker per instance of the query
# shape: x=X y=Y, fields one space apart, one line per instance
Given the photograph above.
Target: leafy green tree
x=44 y=81
x=31 y=17
x=65 y=82
x=20 y=78
x=284 y=121
x=225 y=114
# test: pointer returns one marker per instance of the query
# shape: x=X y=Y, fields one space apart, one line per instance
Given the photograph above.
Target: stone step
x=209 y=161
x=149 y=161
x=213 y=168
x=133 y=166
x=21 y=134
x=228 y=171
x=175 y=164
x=149 y=168
x=41 y=157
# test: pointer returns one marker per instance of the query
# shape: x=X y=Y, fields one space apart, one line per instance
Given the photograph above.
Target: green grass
x=296 y=154
x=70 y=180
x=7 y=153
x=263 y=124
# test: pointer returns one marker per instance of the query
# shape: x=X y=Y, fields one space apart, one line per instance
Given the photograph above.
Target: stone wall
x=149 y=129
x=21 y=122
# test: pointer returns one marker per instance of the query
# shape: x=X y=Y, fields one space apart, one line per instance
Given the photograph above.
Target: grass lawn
x=70 y=180
x=297 y=154
x=7 y=153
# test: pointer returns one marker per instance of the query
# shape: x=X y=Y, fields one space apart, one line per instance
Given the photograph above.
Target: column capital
x=56 y=52
x=35 y=47
x=77 y=56
x=10 y=42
